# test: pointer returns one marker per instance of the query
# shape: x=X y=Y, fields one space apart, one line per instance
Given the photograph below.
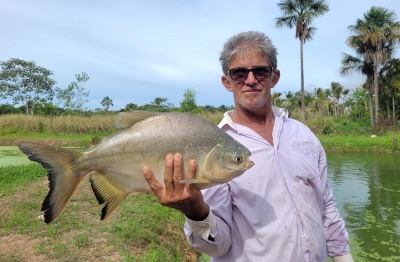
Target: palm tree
x=106 y=103
x=300 y=14
x=374 y=37
x=337 y=90
x=319 y=100
x=289 y=101
x=276 y=98
x=390 y=75
x=354 y=64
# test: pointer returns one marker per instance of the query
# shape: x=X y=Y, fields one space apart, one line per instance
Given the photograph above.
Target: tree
x=131 y=107
x=188 y=104
x=358 y=64
x=160 y=103
x=300 y=14
x=390 y=74
x=8 y=109
x=106 y=103
x=75 y=95
x=26 y=83
x=276 y=101
x=337 y=90
x=320 y=101
x=374 y=37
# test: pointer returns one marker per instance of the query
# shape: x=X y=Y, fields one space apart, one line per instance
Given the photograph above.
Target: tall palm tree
x=354 y=64
x=390 y=75
x=300 y=14
x=337 y=90
x=375 y=37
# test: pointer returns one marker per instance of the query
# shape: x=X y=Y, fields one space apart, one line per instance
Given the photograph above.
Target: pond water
x=11 y=155
x=367 y=190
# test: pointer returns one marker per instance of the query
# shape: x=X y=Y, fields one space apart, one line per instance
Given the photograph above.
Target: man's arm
x=337 y=237
x=206 y=232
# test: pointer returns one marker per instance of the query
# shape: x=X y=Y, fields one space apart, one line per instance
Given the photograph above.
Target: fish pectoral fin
x=106 y=192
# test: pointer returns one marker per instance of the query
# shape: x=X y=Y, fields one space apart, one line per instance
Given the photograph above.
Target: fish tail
x=63 y=180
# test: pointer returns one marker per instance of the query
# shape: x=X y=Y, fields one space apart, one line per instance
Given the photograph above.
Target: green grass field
x=140 y=230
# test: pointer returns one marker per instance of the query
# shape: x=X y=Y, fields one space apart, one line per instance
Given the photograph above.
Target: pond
x=367 y=190
x=11 y=155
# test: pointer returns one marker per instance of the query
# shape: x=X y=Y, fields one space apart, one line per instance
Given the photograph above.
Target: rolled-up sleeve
x=212 y=235
x=337 y=238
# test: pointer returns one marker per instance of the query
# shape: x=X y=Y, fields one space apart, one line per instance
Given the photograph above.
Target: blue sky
x=135 y=51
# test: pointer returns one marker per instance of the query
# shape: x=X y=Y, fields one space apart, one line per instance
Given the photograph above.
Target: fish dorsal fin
x=128 y=119
x=106 y=192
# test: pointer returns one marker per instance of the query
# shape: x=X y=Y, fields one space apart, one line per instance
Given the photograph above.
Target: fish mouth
x=250 y=165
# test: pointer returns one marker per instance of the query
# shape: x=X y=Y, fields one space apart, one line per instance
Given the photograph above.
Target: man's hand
x=183 y=197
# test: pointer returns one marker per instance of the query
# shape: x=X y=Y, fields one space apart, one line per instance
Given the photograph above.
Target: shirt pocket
x=305 y=171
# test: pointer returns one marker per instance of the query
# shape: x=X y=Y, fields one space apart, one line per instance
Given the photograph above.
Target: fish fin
x=63 y=181
x=128 y=119
x=106 y=192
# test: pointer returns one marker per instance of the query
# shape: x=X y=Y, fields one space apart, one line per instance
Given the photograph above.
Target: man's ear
x=226 y=83
x=275 y=78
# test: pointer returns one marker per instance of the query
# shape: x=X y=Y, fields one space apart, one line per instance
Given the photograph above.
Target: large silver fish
x=145 y=139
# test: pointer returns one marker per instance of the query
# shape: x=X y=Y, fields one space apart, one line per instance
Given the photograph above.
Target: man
x=282 y=209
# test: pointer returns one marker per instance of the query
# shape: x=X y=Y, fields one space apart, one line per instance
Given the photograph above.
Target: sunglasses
x=260 y=73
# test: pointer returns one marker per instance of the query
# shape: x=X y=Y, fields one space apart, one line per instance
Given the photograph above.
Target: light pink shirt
x=282 y=209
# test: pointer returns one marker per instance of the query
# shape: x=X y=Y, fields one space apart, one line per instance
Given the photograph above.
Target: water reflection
x=367 y=190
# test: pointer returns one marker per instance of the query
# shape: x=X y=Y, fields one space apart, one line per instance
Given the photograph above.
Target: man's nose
x=251 y=80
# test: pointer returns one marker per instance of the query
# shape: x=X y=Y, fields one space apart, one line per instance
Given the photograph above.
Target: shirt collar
x=277 y=111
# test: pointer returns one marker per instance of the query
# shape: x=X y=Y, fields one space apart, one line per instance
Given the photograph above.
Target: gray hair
x=243 y=42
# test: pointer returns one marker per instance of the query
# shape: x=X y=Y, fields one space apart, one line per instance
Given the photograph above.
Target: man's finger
x=192 y=169
x=169 y=174
x=178 y=172
x=154 y=185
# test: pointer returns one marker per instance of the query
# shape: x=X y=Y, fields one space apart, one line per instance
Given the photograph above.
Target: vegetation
x=374 y=39
x=26 y=83
x=140 y=230
x=75 y=96
x=300 y=14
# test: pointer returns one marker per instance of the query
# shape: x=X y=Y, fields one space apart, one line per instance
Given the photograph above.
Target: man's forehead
x=248 y=57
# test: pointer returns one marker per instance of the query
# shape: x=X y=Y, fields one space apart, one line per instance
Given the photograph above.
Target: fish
x=115 y=164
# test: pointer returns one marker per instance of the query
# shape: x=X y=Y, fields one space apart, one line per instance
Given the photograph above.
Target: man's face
x=251 y=94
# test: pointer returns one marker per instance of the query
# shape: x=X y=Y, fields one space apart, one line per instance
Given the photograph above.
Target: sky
x=135 y=51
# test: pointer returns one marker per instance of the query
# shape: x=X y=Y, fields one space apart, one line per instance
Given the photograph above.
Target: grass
x=361 y=143
x=14 y=177
x=140 y=230
x=66 y=124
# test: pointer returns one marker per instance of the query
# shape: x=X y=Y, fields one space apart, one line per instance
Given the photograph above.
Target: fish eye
x=238 y=159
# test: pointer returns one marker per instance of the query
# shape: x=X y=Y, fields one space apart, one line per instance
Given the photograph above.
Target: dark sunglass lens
x=262 y=72
x=239 y=74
